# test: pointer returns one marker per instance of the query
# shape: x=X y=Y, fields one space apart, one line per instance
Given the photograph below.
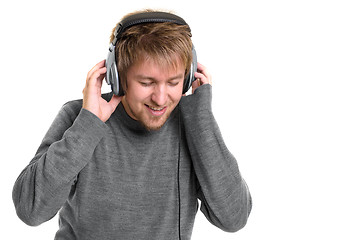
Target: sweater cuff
x=200 y=100
x=81 y=140
x=68 y=156
x=87 y=128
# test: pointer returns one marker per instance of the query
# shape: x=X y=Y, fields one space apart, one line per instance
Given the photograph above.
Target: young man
x=133 y=166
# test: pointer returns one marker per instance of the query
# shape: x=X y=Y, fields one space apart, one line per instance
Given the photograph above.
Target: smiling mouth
x=156 y=111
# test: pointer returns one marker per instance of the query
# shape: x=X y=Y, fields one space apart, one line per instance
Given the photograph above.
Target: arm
x=226 y=201
x=44 y=185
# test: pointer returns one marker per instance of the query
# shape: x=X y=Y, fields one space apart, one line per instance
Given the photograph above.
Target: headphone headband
x=146 y=17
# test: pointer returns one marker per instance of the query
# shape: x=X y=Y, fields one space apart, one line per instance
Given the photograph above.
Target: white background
x=286 y=94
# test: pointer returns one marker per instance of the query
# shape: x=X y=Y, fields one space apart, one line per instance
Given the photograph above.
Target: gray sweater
x=116 y=180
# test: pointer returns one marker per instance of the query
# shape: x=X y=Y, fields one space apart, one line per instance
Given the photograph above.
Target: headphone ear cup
x=112 y=72
x=191 y=76
x=115 y=83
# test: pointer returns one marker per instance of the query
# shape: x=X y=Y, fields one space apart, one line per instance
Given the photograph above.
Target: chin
x=155 y=123
x=152 y=125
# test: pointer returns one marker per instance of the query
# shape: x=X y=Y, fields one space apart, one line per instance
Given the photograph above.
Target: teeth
x=155 y=109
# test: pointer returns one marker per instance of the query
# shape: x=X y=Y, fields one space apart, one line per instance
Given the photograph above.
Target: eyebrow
x=144 y=77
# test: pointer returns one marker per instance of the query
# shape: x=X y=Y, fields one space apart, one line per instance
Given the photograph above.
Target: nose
x=159 y=95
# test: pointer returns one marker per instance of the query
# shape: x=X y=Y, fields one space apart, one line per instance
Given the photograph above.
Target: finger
x=96 y=78
x=202 y=69
x=96 y=67
x=202 y=77
x=206 y=76
x=200 y=66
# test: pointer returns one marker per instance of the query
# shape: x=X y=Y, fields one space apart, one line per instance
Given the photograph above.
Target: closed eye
x=173 y=83
x=146 y=84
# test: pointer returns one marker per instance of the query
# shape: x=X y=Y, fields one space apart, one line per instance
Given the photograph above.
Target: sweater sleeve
x=224 y=195
x=44 y=185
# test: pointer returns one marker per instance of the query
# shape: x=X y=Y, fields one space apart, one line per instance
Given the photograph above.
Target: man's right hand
x=92 y=99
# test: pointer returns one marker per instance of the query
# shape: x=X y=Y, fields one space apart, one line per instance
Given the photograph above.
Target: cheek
x=137 y=95
x=176 y=94
x=176 y=97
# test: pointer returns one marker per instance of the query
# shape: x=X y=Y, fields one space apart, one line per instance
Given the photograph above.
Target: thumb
x=113 y=103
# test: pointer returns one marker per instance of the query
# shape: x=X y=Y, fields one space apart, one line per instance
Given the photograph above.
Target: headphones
x=142 y=18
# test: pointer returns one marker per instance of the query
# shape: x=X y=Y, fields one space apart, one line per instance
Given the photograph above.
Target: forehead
x=148 y=66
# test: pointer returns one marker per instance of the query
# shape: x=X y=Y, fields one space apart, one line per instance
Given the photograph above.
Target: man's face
x=153 y=92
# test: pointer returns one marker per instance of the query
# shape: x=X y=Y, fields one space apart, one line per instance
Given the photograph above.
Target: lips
x=156 y=111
